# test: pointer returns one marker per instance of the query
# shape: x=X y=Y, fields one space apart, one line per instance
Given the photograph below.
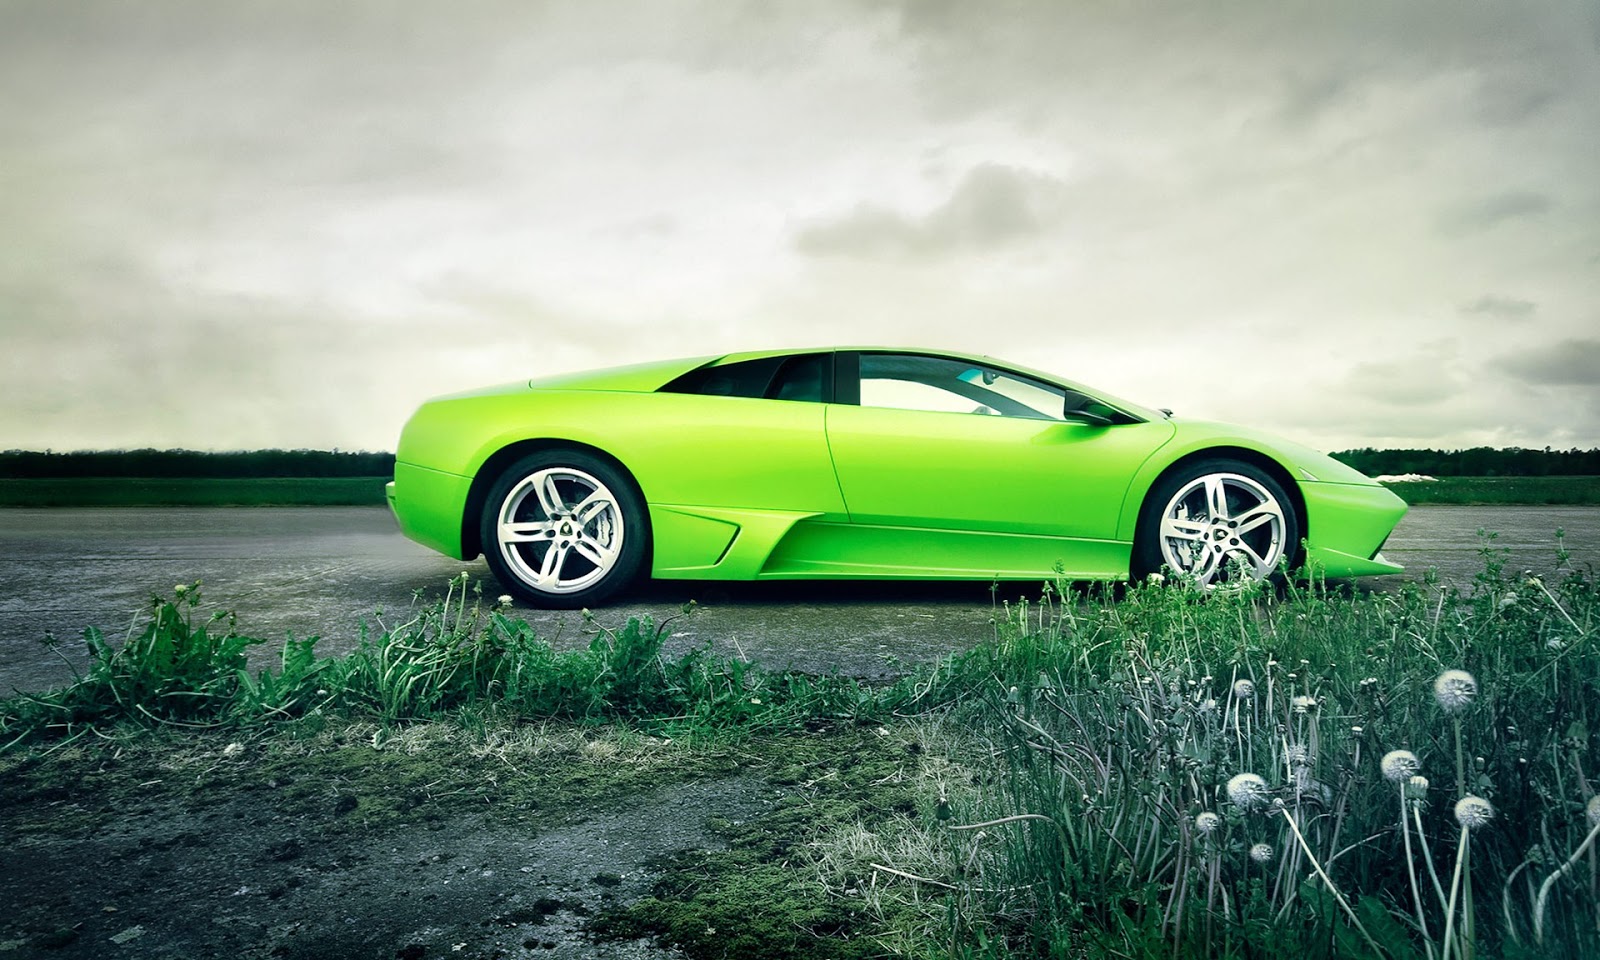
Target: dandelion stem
x=1293 y=827
x=1411 y=871
x=1544 y=888
x=1455 y=885
x=1427 y=855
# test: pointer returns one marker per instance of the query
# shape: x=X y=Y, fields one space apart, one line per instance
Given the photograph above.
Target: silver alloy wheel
x=560 y=530
x=1217 y=518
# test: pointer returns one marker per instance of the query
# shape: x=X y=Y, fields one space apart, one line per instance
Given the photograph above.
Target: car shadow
x=953 y=593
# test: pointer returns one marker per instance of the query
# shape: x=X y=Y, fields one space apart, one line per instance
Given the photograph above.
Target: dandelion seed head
x=504 y=600
x=1509 y=600
x=1248 y=791
x=180 y=589
x=233 y=750
x=1303 y=704
x=1209 y=705
x=1592 y=811
x=1474 y=812
x=1455 y=690
x=1399 y=765
x=1207 y=822
x=1156 y=578
x=1261 y=852
x=1244 y=689
x=1299 y=756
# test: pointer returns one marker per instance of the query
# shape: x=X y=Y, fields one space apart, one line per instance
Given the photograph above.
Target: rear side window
x=773 y=378
x=800 y=378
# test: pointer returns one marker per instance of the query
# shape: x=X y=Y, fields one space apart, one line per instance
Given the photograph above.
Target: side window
x=777 y=378
x=800 y=378
x=941 y=385
x=748 y=378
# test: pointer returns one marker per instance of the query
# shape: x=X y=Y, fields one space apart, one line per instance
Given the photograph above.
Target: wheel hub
x=1216 y=518
x=560 y=530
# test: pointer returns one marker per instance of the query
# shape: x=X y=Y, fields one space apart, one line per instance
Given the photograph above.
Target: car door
x=941 y=443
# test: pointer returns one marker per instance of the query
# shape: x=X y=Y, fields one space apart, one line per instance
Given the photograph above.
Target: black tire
x=1208 y=550
x=561 y=558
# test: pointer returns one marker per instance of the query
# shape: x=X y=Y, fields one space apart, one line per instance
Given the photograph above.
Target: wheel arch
x=500 y=460
x=1255 y=458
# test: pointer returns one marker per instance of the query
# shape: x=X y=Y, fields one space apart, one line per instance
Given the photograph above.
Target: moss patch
x=761 y=896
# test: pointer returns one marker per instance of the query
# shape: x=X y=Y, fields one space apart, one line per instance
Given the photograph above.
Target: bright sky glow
x=283 y=223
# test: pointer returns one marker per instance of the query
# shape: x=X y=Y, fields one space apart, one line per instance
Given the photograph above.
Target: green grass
x=192 y=491
x=1502 y=490
x=1063 y=767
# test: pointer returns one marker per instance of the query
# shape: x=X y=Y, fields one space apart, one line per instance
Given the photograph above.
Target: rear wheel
x=1217 y=521
x=564 y=528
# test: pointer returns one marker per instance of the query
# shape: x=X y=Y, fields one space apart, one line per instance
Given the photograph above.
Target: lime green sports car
x=862 y=464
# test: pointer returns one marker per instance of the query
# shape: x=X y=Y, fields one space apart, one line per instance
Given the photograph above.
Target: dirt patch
x=221 y=883
x=432 y=842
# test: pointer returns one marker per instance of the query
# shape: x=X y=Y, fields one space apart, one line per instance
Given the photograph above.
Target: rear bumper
x=429 y=506
x=1346 y=525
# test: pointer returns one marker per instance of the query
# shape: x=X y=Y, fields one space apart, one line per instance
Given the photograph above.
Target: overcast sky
x=283 y=223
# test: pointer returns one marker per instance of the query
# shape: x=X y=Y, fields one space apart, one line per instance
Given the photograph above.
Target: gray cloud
x=1425 y=380
x=992 y=206
x=1514 y=96
x=1491 y=211
x=1568 y=363
x=1500 y=307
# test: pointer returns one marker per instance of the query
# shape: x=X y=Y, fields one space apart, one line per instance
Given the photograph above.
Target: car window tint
x=747 y=378
x=941 y=385
x=800 y=379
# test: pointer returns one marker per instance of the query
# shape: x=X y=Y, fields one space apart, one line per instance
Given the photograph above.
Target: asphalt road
x=325 y=570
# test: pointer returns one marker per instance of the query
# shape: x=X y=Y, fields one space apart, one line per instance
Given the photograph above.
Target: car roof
x=649 y=377
x=1137 y=409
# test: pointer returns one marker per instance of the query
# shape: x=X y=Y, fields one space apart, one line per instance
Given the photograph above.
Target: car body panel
x=743 y=488
x=665 y=440
x=1000 y=474
x=830 y=550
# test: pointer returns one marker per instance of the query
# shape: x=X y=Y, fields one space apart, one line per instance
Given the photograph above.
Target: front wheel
x=564 y=529
x=1216 y=521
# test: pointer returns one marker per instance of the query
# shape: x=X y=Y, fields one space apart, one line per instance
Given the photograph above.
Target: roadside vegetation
x=1151 y=772
x=158 y=478
x=1475 y=462
x=1508 y=491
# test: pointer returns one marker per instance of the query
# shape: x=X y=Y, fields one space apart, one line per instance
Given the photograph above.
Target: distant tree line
x=29 y=464
x=1476 y=462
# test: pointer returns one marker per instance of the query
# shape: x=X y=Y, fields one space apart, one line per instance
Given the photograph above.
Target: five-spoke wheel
x=1217 y=521
x=564 y=529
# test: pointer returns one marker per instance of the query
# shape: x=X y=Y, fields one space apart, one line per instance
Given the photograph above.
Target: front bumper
x=1346 y=526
